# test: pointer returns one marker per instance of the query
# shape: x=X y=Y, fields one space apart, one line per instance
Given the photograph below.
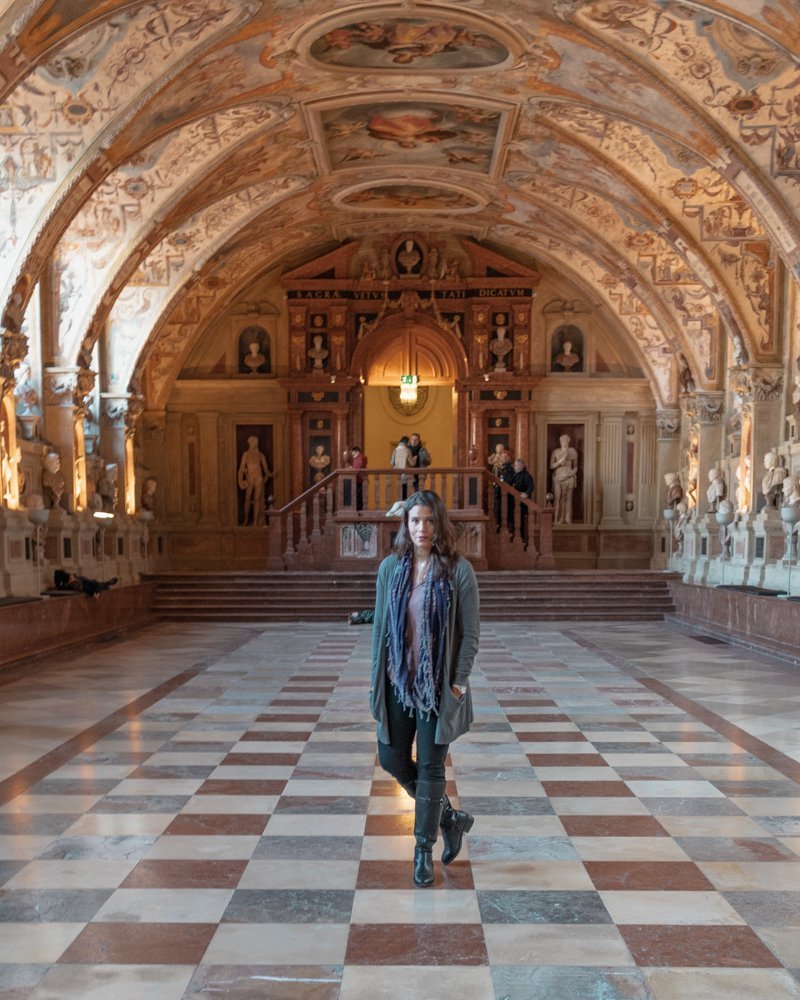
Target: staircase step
x=564 y=596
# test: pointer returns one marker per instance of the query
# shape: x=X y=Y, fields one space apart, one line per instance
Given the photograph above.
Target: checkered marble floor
x=196 y=811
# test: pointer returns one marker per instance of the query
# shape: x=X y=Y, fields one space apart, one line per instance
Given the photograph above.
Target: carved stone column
x=709 y=408
x=668 y=458
x=612 y=466
x=84 y=384
x=759 y=391
x=61 y=388
x=119 y=413
x=208 y=451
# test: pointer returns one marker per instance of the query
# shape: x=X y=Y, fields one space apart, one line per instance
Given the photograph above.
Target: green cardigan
x=462 y=634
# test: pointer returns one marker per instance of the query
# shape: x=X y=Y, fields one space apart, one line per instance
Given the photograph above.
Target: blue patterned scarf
x=421 y=690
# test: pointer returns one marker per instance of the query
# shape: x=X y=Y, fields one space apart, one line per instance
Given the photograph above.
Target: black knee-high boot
x=455 y=823
x=428 y=813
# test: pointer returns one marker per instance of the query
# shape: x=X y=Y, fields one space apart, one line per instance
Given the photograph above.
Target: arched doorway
x=411 y=345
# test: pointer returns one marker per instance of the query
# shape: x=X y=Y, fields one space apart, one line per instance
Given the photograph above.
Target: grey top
x=461 y=639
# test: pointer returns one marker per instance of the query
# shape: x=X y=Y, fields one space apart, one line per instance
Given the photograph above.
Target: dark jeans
x=397 y=760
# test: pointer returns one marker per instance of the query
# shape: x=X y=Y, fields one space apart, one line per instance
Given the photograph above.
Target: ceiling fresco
x=161 y=153
x=413 y=43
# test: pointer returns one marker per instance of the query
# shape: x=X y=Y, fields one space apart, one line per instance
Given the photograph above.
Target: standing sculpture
x=254 y=471
x=564 y=466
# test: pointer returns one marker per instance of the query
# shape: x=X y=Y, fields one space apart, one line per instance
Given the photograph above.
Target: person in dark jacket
x=83 y=584
x=506 y=475
x=424 y=641
x=523 y=484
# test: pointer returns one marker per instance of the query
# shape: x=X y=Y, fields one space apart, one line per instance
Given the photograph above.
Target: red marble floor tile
x=591 y=789
x=383 y=787
x=613 y=826
x=173 y=874
x=288 y=717
x=789 y=767
x=566 y=760
x=20 y=782
x=240 y=786
x=139 y=944
x=416 y=944
x=536 y=717
x=704 y=945
x=301 y=702
x=393 y=825
x=549 y=737
x=675 y=876
x=310 y=688
x=268 y=736
x=214 y=824
x=398 y=875
x=261 y=759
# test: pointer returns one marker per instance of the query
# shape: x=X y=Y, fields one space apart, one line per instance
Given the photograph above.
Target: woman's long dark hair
x=444 y=555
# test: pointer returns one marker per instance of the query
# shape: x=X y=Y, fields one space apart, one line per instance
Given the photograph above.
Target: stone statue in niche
x=9 y=466
x=564 y=466
x=500 y=345
x=254 y=360
x=496 y=458
x=674 y=490
x=409 y=259
x=319 y=463
x=254 y=471
x=148 y=500
x=254 y=350
x=772 y=480
x=716 y=489
x=791 y=491
x=53 y=482
x=28 y=403
x=566 y=359
x=684 y=516
x=318 y=352
x=107 y=487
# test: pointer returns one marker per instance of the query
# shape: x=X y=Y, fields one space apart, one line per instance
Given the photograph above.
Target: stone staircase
x=568 y=595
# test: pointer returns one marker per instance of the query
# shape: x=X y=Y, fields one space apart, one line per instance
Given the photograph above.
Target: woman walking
x=424 y=641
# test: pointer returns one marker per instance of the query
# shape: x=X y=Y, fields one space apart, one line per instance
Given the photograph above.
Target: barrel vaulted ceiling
x=160 y=156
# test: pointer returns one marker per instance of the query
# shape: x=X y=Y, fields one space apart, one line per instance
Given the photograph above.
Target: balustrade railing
x=343 y=519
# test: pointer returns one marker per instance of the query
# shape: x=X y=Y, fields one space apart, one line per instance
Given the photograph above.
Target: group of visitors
x=410 y=453
x=516 y=475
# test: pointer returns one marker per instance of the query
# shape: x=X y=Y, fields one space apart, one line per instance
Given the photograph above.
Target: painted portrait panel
x=411 y=133
x=413 y=43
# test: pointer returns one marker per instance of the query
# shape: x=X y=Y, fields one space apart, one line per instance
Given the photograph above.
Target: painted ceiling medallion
x=412 y=133
x=413 y=43
x=402 y=197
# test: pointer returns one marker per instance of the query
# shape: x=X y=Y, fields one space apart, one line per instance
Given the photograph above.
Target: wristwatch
x=461 y=688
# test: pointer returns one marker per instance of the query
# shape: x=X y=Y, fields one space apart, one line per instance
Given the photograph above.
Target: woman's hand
x=457 y=691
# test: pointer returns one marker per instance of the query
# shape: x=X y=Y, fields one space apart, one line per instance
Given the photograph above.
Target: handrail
x=307 y=521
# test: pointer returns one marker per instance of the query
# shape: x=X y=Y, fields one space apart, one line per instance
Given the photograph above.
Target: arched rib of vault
x=160 y=275
x=722 y=285
x=734 y=266
x=73 y=160
x=753 y=110
x=691 y=304
x=653 y=337
x=136 y=206
x=208 y=293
